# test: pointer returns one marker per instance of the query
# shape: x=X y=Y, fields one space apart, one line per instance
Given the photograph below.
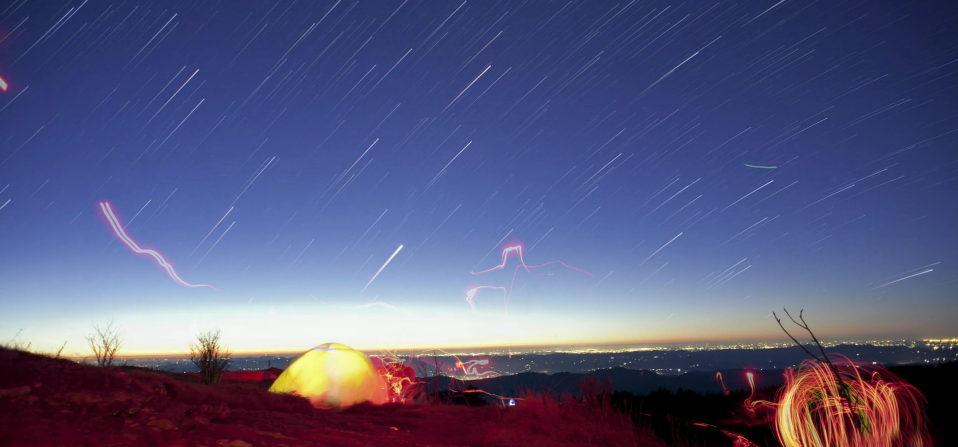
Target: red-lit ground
x=44 y=401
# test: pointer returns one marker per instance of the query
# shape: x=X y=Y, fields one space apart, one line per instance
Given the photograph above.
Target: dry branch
x=211 y=357
x=105 y=343
x=843 y=389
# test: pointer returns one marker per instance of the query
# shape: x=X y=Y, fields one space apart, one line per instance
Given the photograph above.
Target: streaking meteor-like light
x=660 y=248
x=121 y=234
x=902 y=279
x=3 y=84
x=381 y=269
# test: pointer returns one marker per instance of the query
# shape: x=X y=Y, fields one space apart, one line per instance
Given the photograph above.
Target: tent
x=332 y=375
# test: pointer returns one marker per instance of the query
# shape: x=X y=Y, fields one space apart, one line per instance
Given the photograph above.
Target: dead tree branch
x=779 y=320
x=105 y=343
x=843 y=389
x=804 y=325
x=211 y=357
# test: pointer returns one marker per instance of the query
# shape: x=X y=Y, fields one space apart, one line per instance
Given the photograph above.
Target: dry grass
x=46 y=401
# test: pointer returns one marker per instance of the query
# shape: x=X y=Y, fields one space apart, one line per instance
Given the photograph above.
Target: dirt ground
x=58 y=402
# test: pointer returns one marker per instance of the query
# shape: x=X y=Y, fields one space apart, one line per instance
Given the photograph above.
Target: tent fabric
x=332 y=375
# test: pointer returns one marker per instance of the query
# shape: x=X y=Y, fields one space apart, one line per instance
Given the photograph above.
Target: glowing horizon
x=381 y=185
x=772 y=338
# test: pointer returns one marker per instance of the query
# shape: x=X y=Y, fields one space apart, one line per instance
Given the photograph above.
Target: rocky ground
x=58 y=402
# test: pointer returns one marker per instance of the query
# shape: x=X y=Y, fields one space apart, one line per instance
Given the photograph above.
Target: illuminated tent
x=332 y=375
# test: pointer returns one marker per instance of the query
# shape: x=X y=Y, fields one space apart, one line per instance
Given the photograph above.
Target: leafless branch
x=779 y=320
x=843 y=389
x=826 y=360
x=210 y=356
x=105 y=343
x=804 y=325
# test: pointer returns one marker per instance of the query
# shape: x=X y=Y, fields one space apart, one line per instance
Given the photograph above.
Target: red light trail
x=121 y=234
x=718 y=378
x=517 y=249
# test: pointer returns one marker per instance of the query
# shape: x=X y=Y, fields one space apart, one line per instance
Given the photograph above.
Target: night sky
x=694 y=166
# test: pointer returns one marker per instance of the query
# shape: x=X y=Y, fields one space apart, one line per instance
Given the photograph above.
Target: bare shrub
x=211 y=357
x=105 y=343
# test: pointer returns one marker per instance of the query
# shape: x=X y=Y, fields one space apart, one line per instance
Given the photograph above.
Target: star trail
x=708 y=162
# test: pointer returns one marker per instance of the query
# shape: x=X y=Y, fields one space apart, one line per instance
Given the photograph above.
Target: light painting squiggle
x=121 y=234
x=470 y=368
x=881 y=409
x=471 y=295
x=718 y=378
x=517 y=249
x=399 y=379
x=868 y=407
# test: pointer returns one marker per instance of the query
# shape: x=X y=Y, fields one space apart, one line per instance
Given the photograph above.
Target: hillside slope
x=45 y=401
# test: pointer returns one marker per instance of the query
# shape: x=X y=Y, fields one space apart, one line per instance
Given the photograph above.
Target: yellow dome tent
x=332 y=375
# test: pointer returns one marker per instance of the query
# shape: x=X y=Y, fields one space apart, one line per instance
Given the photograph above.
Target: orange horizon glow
x=476 y=348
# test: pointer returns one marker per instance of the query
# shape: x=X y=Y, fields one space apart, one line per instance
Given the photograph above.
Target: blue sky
x=281 y=153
